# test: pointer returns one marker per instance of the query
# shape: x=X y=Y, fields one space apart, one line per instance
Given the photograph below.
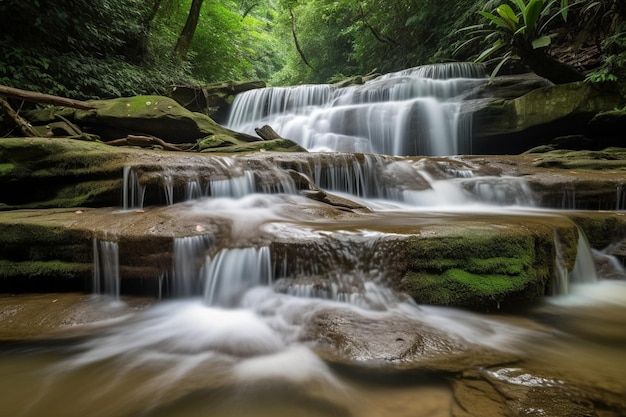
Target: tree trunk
x=186 y=36
x=548 y=67
x=295 y=39
x=44 y=98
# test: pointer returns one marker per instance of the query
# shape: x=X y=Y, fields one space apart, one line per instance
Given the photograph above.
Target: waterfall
x=189 y=255
x=584 y=270
x=231 y=271
x=621 y=198
x=133 y=192
x=412 y=112
x=106 y=274
x=500 y=190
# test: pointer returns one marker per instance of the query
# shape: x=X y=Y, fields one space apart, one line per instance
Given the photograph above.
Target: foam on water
x=413 y=112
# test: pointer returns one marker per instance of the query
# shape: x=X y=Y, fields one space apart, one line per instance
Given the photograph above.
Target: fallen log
x=23 y=124
x=44 y=98
x=144 y=142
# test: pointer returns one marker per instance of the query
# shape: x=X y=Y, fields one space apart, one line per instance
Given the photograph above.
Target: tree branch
x=25 y=127
x=295 y=39
x=44 y=98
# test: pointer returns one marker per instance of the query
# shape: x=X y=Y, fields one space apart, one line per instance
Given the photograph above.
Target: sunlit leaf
x=505 y=11
x=495 y=19
x=541 y=42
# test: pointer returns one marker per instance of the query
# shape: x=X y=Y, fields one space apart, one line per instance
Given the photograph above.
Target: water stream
x=412 y=112
x=292 y=313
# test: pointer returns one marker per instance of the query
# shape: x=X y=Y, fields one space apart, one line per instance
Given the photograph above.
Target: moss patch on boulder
x=140 y=115
x=486 y=267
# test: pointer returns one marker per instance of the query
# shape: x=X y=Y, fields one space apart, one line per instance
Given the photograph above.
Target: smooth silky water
x=230 y=333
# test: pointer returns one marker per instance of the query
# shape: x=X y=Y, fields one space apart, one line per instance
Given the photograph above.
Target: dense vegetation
x=107 y=48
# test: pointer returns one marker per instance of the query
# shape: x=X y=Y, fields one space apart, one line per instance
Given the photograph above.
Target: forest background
x=109 y=48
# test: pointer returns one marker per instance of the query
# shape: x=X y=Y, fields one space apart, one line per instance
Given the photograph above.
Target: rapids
x=291 y=311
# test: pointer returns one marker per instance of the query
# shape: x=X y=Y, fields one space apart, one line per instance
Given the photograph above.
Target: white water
x=106 y=274
x=412 y=112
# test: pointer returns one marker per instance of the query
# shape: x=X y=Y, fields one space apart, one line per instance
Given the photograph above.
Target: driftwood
x=24 y=126
x=44 y=98
x=267 y=133
x=148 y=141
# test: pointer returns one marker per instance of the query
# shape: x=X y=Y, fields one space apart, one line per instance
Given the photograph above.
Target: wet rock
x=508 y=126
x=393 y=343
x=486 y=266
x=141 y=115
x=56 y=314
x=214 y=100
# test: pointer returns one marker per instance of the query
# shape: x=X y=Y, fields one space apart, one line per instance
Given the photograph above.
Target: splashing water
x=413 y=112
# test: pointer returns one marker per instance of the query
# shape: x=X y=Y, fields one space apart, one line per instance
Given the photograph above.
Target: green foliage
x=110 y=48
x=348 y=38
x=514 y=31
x=613 y=67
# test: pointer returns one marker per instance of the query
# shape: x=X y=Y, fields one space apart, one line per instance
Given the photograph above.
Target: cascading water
x=229 y=273
x=106 y=274
x=188 y=254
x=413 y=112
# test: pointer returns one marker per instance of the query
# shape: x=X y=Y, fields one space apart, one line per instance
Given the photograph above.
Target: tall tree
x=186 y=36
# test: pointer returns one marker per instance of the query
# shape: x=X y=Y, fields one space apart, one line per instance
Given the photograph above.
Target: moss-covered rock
x=140 y=115
x=487 y=266
x=504 y=126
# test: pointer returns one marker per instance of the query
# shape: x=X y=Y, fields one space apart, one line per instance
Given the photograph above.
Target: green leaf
x=564 y=9
x=520 y=5
x=486 y=53
x=541 y=42
x=508 y=15
x=495 y=71
x=531 y=15
x=495 y=19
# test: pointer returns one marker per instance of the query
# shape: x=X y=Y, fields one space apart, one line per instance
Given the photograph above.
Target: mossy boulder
x=214 y=100
x=502 y=126
x=159 y=116
x=487 y=265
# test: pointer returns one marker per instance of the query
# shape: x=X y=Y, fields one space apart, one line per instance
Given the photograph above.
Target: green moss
x=215 y=141
x=485 y=269
x=500 y=265
x=601 y=228
x=37 y=269
x=6 y=168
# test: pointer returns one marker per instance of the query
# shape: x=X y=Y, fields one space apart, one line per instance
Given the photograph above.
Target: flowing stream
x=293 y=314
x=412 y=112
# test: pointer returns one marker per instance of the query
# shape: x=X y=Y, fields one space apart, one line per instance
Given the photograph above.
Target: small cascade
x=106 y=274
x=358 y=175
x=347 y=267
x=231 y=271
x=583 y=272
x=412 y=112
x=235 y=187
x=133 y=191
x=220 y=177
x=442 y=71
x=621 y=198
x=568 y=201
x=561 y=274
x=189 y=255
x=500 y=190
